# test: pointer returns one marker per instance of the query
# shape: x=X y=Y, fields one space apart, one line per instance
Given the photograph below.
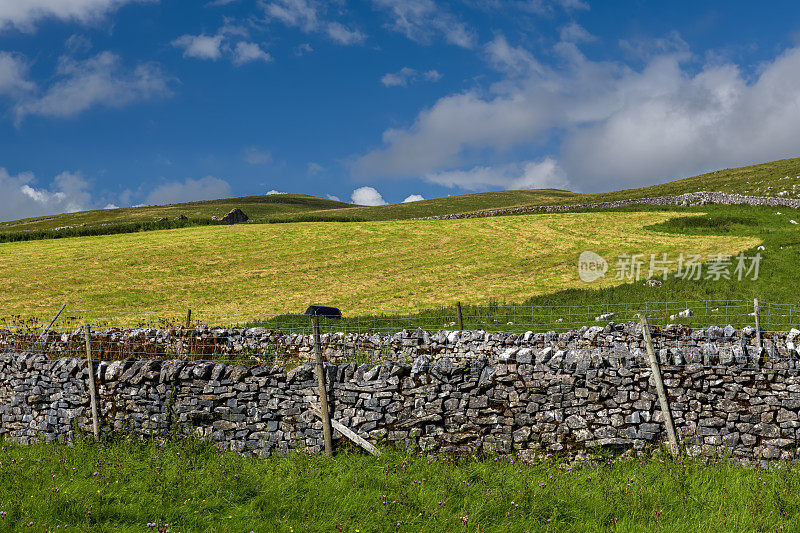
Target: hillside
x=258 y=208
x=231 y=274
x=778 y=178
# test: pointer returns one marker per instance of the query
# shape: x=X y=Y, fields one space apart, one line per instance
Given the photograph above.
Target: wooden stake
x=662 y=394
x=189 y=318
x=460 y=317
x=323 y=390
x=46 y=329
x=92 y=386
x=350 y=434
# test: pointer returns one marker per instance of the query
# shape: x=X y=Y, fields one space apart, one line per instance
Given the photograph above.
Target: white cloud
x=422 y=20
x=255 y=156
x=611 y=125
x=175 y=192
x=309 y=16
x=315 y=168
x=200 y=46
x=343 y=35
x=547 y=7
x=367 y=196
x=303 y=49
x=97 y=81
x=332 y=197
x=407 y=75
x=527 y=175
x=274 y=191
x=20 y=198
x=24 y=14
x=111 y=206
x=78 y=44
x=14 y=75
x=575 y=33
x=246 y=52
x=413 y=198
x=509 y=59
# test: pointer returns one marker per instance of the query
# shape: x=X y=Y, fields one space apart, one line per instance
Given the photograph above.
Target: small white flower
x=793 y=221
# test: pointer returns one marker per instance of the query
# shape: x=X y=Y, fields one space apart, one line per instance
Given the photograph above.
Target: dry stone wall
x=686 y=199
x=553 y=392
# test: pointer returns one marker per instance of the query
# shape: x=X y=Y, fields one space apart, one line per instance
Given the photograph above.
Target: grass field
x=777 y=178
x=258 y=208
x=188 y=486
x=241 y=273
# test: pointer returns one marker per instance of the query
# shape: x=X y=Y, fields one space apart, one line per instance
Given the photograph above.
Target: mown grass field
x=776 y=178
x=230 y=274
x=188 y=487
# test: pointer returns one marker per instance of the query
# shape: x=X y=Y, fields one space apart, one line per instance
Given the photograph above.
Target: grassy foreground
x=188 y=486
x=231 y=274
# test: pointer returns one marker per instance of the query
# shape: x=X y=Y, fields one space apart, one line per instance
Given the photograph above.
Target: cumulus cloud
x=200 y=46
x=509 y=59
x=21 y=198
x=246 y=52
x=609 y=124
x=413 y=198
x=367 y=196
x=190 y=190
x=407 y=75
x=526 y=175
x=24 y=14
x=423 y=20
x=310 y=17
x=101 y=80
x=274 y=191
x=14 y=75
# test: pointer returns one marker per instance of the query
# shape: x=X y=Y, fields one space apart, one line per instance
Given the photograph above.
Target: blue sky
x=127 y=102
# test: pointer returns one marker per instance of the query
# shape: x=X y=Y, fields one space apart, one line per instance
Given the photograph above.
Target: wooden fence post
x=758 y=327
x=188 y=318
x=460 y=317
x=92 y=386
x=662 y=395
x=327 y=432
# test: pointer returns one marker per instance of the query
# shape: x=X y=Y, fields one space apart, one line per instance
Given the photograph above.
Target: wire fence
x=288 y=339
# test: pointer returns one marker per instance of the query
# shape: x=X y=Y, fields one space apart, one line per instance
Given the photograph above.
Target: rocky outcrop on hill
x=235 y=216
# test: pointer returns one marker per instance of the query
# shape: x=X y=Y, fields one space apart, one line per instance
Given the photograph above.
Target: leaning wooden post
x=662 y=395
x=460 y=317
x=758 y=326
x=323 y=390
x=92 y=386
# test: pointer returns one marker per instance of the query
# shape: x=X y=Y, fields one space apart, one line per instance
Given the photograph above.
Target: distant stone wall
x=686 y=199
x=553 y=392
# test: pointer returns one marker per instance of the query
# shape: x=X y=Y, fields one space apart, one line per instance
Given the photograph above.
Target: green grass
x=766 y=179
x=240 y=273
x=257 y=208
x=123 y=487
